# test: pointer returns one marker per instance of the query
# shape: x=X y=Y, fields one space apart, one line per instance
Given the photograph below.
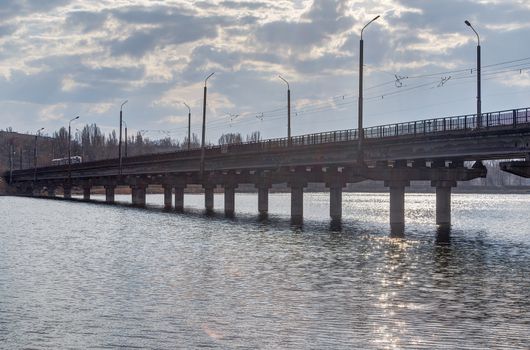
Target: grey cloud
x=7 y=29
x=86 y=21
x=322 y=20
x=172 y=27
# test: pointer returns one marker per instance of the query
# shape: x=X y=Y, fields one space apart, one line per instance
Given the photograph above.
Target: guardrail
x=450 y=125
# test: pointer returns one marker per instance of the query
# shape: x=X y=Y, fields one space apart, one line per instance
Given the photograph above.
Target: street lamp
x=121 y=122
x=35 y=155
x=189 y=125
x=288 y=110
x=69 y=150
x=204 y=125
x=360 y=113
x=479 y=102
x=126 y=141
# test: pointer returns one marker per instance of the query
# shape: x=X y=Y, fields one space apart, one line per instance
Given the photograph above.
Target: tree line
x=92 y=144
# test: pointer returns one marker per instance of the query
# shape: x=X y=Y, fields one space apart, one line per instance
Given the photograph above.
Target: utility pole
x=479 y=100
x=204 y=125
x=360 y=112
x=289 y=142
x=11 y=154
x=35 y=155
x=119 y=142
x=69 y=151
x=126 y=141
x=189 y=125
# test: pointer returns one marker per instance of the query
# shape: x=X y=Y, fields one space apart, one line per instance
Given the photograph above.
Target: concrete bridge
x=432 y=150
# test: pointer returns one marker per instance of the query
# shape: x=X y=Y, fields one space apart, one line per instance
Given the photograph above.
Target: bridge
x=435 y=150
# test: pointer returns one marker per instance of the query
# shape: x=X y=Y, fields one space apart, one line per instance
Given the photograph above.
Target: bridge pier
x=230 y=199
x=67 y=191
x=397 y=206
x=335 y=201
x=50 y=190
x=297 y=201
x=179 y=198
x=109 y=193
x=139 y=195
x=263 y=198
x=208 y=197
x=86 y=192
x=168 y=189
x=443 y=202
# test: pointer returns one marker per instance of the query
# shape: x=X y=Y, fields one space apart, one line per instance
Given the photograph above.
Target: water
x=77 y=275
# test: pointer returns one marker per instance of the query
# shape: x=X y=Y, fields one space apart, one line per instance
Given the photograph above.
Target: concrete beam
x=297 y=201
x=179 y=198
x=519 y=168
x=86 y=192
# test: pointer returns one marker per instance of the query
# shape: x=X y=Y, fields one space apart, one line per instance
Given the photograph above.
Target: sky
x=63 y=58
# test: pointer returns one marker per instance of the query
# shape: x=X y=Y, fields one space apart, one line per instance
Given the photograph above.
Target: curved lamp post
x=479 y=101
x=119 y=142
x=69 y=150
x=204 y=124
x=189 y=124
x=288 y=110
x=360 y=112
x=35 y=155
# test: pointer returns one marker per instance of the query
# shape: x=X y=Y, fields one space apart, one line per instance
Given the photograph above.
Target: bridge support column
x=109 y=193
x=86 y=192
x=208 y=197
x=230 y=200
x=397 y=206
x=179 y=198
x=138 y=195
x=443 y=202
x=297 y=202
x=263 y=198
x=67 y=191
x=50 y=191
x=335 y=201
x=167 y=196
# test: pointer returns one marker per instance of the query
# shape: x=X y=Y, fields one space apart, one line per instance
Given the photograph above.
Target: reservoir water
x=82 y=275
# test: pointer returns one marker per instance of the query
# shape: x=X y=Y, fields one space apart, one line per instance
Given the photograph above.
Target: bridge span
x=432 y=150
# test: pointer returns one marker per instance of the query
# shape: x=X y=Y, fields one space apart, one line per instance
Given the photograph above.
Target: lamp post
x=35 y=155
x=288 y=110
x=479 y=101
x=204 y=125
x=121 y=122
x=69 y=150
x=360 y=113
x=189 y=125
x=125 y=150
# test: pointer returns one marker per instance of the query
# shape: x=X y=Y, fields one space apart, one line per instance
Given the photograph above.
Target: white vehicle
x=64 y=161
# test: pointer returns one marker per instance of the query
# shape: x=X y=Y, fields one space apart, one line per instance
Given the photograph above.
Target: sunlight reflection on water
x=82 y=275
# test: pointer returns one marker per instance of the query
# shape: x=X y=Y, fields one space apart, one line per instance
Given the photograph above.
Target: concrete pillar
x=208 y=197
x=230 y=200
x=179 y=198
x=86 y=193
x=397 y=206
x=335 y=201
x=51 y=191
x=297 y=202
x=263 y=199
x=109 y=193
x=67 y=191
x=443 y=202
x=138 y=195
x=167 y=196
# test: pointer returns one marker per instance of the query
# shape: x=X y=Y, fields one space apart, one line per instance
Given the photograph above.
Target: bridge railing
x=460 y=124
x=449 y=125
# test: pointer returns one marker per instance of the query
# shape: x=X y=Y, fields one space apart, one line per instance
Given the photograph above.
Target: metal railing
x=450 y=125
